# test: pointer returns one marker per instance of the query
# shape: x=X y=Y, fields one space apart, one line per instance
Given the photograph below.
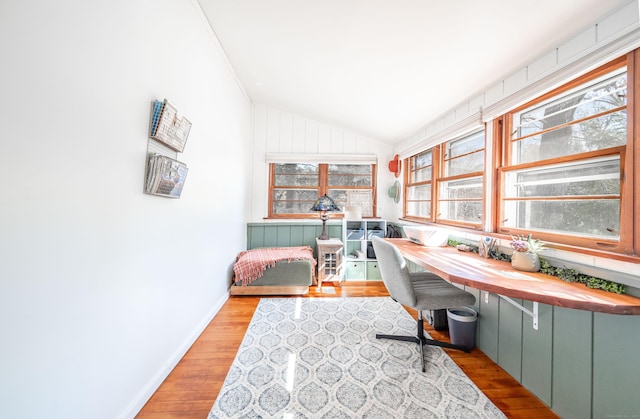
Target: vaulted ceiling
x=382 y=68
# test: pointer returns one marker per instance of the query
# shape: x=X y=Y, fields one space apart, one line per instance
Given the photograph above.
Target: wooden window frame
x=442 y=178
x=628 y=243
x=628 y=247
x=437 y=177
x=407 y=184
x=323 y=188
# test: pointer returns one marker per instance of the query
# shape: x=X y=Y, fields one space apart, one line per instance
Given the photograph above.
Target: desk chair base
x=421 y=340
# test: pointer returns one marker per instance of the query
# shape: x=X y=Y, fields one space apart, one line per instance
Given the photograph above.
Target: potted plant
x=525 y=256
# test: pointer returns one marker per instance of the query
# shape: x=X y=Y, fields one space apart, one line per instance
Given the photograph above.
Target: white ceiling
x=383 y=68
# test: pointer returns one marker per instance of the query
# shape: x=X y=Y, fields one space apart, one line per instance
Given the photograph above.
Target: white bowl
x=427 y=235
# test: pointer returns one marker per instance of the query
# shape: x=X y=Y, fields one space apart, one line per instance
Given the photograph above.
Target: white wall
x=102 y=288
x=277 y=131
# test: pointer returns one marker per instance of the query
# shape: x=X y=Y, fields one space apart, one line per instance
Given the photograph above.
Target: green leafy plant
x=572 y=275
x=493 y=253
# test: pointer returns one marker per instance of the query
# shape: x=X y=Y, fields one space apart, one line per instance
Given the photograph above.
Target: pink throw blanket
x=251 y=264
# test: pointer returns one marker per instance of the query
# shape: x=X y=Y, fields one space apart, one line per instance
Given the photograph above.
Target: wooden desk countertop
x=500 y=278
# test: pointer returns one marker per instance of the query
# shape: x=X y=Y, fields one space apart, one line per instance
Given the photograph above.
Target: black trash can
x=462 y=326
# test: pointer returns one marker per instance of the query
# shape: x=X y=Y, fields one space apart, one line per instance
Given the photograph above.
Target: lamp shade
x=324 y=203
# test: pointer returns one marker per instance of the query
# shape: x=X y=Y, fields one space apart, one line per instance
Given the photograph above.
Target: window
x=564 y=156
x=563 y=168
x=420 y=173
x=460 y=186
x=453 y=173
x=294 y=187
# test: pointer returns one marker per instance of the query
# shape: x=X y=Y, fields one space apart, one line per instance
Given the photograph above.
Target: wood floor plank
x=192 y=387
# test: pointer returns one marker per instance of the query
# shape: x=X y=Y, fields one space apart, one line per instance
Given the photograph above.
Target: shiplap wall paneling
x=285 y=133
x=616 y=366
x=299 y=130
x=272 y=128
x=476 y=293
x=336 y=140
x=324 y=139
x=286 y=235
x=255 y=237
x=312 y=136
x=537 y=356
x=488 y=321
x=510 y=338
x=572 y=367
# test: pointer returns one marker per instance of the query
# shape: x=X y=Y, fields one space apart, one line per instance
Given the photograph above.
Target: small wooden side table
x=330 y=264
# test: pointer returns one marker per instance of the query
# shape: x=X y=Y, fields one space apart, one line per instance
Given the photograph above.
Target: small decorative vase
x=525 y=261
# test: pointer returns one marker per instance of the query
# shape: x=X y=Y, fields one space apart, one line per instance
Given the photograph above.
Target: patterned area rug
x=319 y=358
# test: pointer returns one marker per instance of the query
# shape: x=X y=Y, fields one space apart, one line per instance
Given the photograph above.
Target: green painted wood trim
x=537 y=356
x=282 y=234
x=572 y=368
x=488 y=318
x=616 y=366
x=510 y=339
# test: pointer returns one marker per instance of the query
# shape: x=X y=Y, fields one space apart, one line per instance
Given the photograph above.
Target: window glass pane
x=470 y=188
x=469 y=163
x=296 y=174
x=593 y=218
x=419 y=209
x=339 y=196
x=292 y=201
x=419 y=201
x=466 y=145
x=296 y=180
x=595 y=177
x=350 y=180
x=582 y=198
x=422 y=160
x=589 y=101
x=461 y=200
x=354 y=169
x=594 y=134
x=296 y=168
x=466 y=211
x=591 y=118
x=421 y=167
x=355 y=175
x=422 y=192
x=422 y=175
x=464 y=155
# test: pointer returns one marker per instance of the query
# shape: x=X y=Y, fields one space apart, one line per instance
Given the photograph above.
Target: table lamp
x=324 y=204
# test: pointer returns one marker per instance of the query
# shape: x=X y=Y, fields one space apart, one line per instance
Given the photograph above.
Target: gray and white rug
x=319 y=358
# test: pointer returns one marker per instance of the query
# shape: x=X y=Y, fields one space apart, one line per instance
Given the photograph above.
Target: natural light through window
x=296 y=313
x=291 y=372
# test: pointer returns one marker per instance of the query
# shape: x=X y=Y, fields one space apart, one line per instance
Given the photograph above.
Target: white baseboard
x=139 y=401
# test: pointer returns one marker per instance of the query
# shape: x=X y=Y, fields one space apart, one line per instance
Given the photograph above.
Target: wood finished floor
x=192 y=387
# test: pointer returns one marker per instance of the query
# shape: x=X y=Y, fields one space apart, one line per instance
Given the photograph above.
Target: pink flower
x=519 y=246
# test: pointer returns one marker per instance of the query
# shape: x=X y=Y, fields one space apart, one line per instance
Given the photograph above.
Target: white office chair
x=420 y=291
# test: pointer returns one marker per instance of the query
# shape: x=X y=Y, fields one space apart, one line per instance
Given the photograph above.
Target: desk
x=500 y=278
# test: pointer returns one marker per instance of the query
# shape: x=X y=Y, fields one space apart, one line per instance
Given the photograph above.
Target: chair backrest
x=395 y=273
